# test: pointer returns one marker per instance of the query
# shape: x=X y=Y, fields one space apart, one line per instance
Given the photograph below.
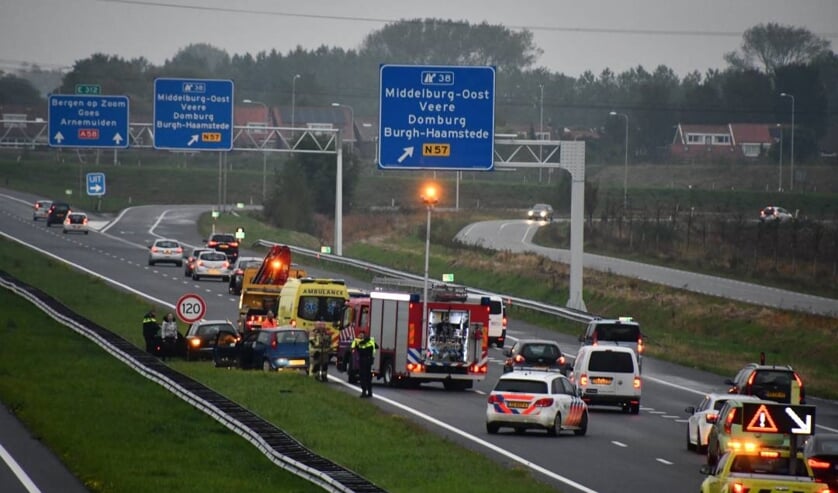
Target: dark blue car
x=281 y=348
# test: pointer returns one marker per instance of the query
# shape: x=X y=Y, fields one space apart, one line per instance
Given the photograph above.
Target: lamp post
x=625 y=161
x=780 y=179
x=352 y=118
x=264 y=152
x=540 y=127
x=293 y=102
x=791 y=178
x=430 y=197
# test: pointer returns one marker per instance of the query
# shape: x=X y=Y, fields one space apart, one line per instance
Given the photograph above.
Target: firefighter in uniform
x=320 y=343
x=150 y=331
x=364 y=346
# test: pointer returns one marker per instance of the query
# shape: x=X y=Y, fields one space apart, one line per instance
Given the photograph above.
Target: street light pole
x=352 y=120
x=293 y=102
x=540 y=127
x=791 y=178
x=625 y=161
x=780 y=182
x=430 y=198
x=264 y=151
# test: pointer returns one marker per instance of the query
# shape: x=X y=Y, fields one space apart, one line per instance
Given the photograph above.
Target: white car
x=704 y=415
x=165 y=251
x=545 y=400
x=774 y=213
x=211 y=264
x=76 y=222
x=40 y=210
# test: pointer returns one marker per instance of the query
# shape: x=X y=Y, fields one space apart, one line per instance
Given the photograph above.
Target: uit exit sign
x=89 y=89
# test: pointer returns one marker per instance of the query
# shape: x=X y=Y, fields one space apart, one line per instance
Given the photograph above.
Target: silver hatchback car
x=212 y=264
x=165 y=251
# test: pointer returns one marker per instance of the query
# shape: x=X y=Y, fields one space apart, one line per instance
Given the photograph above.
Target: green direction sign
x=239 y=233
x=448 y=278
x=325 y=249
x=215 y=214
x=89 y=89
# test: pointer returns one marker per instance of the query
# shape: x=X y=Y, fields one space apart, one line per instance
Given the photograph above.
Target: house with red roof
x=732 y=141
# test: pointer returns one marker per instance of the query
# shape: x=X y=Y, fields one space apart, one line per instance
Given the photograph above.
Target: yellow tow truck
x=760 y=470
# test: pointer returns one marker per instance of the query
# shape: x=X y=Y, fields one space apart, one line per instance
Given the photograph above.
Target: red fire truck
x=452 y=348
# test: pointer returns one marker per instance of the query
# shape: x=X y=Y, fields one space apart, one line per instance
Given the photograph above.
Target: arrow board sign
x=88 y=121
x=778 y=418
x=193 y=114
x=436 y=117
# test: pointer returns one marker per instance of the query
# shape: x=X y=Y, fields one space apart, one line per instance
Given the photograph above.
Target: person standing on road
x=270 y=321
x=168 y=332
x=365 y=347
x=320 y=343
x=150 y=330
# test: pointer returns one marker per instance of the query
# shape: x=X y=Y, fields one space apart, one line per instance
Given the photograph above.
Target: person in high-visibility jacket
x=151 y=331
x=364 y=347
x=320 y=343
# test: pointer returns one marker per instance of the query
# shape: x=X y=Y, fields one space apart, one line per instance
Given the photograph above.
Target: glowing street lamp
x=430 y=197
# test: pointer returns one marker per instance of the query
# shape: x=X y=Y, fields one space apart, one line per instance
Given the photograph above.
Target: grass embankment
x=119 y=432
x=695 y=330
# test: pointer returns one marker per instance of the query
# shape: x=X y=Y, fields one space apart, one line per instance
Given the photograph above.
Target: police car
x=526 y=398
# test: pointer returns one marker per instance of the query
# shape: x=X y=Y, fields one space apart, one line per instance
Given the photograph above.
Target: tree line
x=772 y=59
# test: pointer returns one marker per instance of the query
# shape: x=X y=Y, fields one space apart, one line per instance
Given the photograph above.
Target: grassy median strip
x=119 y=432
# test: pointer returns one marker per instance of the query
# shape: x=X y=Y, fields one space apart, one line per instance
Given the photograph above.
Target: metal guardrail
x=567 y=313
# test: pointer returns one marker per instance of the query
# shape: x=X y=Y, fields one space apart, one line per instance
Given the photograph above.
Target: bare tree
x=773 y=45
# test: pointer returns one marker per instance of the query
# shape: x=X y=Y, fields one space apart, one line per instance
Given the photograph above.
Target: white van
x=608 y=375
x=497 y=317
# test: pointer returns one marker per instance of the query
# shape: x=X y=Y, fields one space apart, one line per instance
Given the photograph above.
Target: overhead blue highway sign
x=96 y=184
x=88 y=121
x=193 y=114
x=436 y=117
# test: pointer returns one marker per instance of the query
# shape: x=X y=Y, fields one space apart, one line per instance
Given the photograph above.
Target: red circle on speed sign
x=191 y=308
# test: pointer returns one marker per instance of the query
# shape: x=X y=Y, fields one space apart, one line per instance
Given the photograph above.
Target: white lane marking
x=682 y=421
x=669 y=416
x=21 y=475
x=657 y=412
x=664 y=461
x=619 y=444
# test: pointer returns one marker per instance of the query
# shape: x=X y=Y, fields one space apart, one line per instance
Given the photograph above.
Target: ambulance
x=305 y=301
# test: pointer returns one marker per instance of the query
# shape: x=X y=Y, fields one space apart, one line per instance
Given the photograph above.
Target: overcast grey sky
x=685 y=35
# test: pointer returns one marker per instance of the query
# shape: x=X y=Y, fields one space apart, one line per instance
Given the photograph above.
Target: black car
x=779 y=383
x=203 y=335
x=224 y=243
x=57 y=213
x=821 y=452
x=237 y=270
x=535 y=354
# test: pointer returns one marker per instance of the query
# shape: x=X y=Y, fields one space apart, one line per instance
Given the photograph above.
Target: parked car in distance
x=57 y=213
x=225 y=243
x=202 y=336
x=281 y=348
x=237 y=272
x=703 y=416
x=774 y=213
x=40 y=210
x=778 y=383
x=211 y=264
x=76 y=222
x=191 y=260
x=821 y=453
x=165 y=251
x=536 y=354
x=542 y=212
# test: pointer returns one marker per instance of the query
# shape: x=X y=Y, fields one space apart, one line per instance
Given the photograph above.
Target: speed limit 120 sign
x=191 y=308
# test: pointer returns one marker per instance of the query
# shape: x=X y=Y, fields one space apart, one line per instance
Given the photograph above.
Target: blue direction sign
x=191 y=114
x=436 y=117
x=88 y=121
x=96 y=184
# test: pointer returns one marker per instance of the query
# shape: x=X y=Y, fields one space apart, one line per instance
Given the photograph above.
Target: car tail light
x=636 y=383
x=195 y=342
x=518 y=359
x=212 y=243
x=199 y=263
x=711 y=417
x=239 y=272
x=415 y=367
x=561 y=361
x=85 y=221
x=818 y=464
x=293 y=322
x=234 y=244
x=505 y=321
x=544 y=402
x=800 y=384
x=825 y=488
x=154 y=249
x=751 y=379
x=740 y=488
x=729 y=420
x=274 y=342
x=640 y=345
x=37 y=205
x=67 y=220
x=493 y=399
x=477 y=368
x=583 y=379
x=179 y=250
